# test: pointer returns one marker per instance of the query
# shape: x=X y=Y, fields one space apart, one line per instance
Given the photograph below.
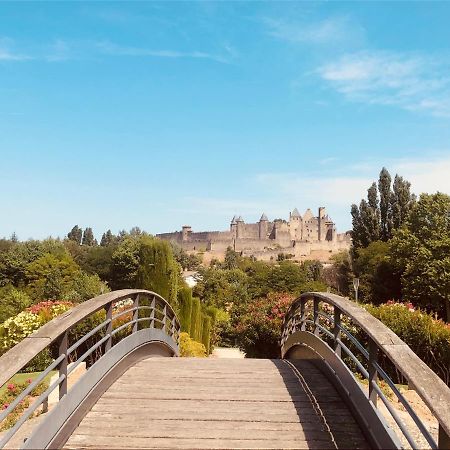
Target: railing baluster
x=135 y=313
x=62 y=350
x=164 y=328
x=316 y=316
x=337 y=331
x=302 y=314
x=152 y=312
x=109 y=327
x=373 y=373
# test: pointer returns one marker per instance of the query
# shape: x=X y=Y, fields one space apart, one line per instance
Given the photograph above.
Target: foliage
x=16 y=328
x=12 y=391
x=186 y=261
x=158 y=271
x=206 y=332
x=379 y=279
x=196 y=320
x=428 y=338
x=185 y=308
x=75 y=234
x=384 y=211
x=84 y=287
x=258 y=327
x=88 y=237
x=12 y=301
x=339 y=275
x=421 y=250
x=189 y=347
x=50 y=276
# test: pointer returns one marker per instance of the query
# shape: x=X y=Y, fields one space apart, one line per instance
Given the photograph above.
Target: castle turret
x=295 y=225
x=263 y=222
x=239 y=227
x=186 y=232
x=321 y=228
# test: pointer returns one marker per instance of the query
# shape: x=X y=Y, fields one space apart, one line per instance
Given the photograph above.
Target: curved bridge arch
x=312 y=331
x=148 y=327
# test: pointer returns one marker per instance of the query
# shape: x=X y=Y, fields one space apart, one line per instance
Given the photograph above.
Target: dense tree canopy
x=421 y=250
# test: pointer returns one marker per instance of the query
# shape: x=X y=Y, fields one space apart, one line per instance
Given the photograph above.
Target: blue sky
x=162 y=114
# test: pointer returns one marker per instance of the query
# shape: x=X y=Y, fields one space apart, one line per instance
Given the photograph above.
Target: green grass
x=22 y=377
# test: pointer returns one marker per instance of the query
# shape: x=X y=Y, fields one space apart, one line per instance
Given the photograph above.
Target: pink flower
x=5 y=405
x=11 y=387
x=29 y=380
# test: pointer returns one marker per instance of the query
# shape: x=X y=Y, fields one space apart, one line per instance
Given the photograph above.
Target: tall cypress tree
x=384 y=188
x=401 y=201
x=88 y=237
x=75 y=234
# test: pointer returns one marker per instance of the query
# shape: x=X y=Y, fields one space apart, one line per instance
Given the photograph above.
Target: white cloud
x=7 y=54
x=331 y=31
x=120 y=50
x=410 y=81
x=338 y=192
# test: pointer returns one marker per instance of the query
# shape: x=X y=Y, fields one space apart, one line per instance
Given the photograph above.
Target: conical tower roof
x=263 y=218
x=233 y=220
x=239 y=219
x=308 y=215
x=295 y=213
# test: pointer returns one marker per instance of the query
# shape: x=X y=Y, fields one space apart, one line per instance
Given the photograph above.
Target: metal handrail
x=57 y=331
x=431 y=389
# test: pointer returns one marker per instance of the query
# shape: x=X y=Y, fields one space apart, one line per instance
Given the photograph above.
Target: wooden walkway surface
x=219 y=403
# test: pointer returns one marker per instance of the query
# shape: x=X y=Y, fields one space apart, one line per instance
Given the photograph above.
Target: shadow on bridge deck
x=214 y=403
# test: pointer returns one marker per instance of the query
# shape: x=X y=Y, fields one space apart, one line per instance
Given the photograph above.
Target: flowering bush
x=428 y=337
x=12 y=391
x=258 y=327
x=16 y=328
x=189 y=347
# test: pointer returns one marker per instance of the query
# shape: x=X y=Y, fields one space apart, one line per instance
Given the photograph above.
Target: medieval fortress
x=300 y=238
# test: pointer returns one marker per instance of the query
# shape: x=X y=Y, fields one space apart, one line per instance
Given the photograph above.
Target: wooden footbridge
x=137 y=394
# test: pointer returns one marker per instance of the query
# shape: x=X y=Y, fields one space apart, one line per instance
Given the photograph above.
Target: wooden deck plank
x=207 y=403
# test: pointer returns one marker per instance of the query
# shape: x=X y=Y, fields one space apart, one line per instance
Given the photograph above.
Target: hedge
x=185 y=308
x=428 y=337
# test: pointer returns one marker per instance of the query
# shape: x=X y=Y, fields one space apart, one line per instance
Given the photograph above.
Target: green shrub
x=196 y=320
x=206 y=332
x=185 y=308
x=189 y=347
x=428 y=338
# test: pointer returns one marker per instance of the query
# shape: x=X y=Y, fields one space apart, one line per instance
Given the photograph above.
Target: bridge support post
x=373 y=374
x=135 y=313
x=443 y=439
x=337 y=331
x=62 y=350
x=109 y=327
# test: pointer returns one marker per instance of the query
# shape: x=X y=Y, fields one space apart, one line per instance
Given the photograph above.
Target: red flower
x=11 y=387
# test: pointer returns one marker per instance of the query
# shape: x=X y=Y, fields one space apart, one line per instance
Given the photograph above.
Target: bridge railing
x=338 y=321
x=120 y=314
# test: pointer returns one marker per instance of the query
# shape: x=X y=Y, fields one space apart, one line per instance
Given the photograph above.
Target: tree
x=383 y=212
x=13 y=301
x=49 y=277
x=88 y=237
x=231 y=259
x=158 y=270
x=401 y=201
x=379 y=279
x=421 y=250
x=75 y=234
x=384 y=188
x=339 y=276
x=107 y=239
